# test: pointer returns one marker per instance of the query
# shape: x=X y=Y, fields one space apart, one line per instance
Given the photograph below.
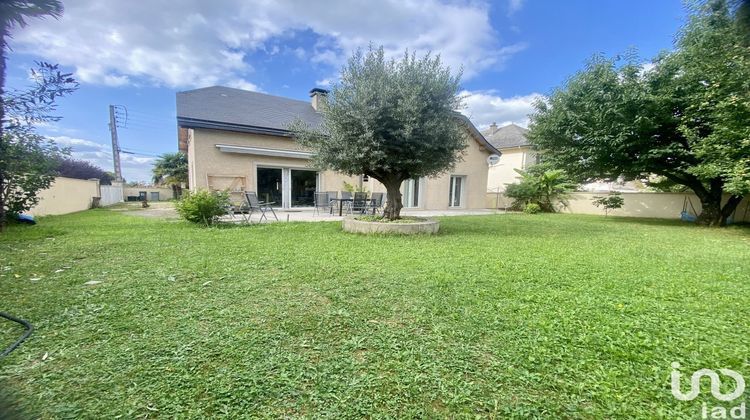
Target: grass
x=506 y=316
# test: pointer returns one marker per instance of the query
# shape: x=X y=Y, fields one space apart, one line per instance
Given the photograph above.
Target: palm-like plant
x=541 y=185
x=171 y=169
x=14 y=13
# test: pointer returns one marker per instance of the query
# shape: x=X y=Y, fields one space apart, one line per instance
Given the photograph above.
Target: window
x=457 y=191
x=411 y=193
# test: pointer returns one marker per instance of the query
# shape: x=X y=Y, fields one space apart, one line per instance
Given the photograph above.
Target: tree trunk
x=176 y=191
x=713 y=214
x=728 y=209
x=710 y=213
x=393 y=205
x=3 y=37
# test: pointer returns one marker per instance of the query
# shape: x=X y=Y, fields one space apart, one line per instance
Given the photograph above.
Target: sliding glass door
x=411 y=193
x=269 y=186
x=287 y=187
x=457 y=191
x=303 y=187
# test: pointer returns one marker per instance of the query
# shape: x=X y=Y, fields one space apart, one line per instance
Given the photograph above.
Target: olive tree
x=390 y=120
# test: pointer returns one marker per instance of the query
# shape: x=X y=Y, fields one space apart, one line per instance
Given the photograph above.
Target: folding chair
x=254 y=205
x=376 y=201
x=321 y=202
x=359 y=203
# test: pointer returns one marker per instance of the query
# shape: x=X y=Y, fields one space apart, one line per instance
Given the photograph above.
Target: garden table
x=341 y=204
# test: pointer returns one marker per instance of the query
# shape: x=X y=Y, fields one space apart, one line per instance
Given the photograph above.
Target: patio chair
x=254 y=205
x=332 y=196
x=359 y=203
x=346 y=195
x=321 y=202
x=376 y=201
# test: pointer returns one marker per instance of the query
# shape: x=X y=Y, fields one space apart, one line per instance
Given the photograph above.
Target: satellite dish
x=493 y=160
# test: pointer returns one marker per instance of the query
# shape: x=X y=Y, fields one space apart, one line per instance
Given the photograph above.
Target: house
x=517 y=153
x=238 y=140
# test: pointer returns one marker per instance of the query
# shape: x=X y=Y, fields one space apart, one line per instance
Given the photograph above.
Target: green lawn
x=507 y=315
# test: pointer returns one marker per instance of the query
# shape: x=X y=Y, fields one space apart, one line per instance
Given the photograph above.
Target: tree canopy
x=81 y=169
x=32 y=107
x=686 y=119
x=390 y=120
x=171 y=169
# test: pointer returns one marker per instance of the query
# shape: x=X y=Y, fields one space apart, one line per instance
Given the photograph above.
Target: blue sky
x=138 y=54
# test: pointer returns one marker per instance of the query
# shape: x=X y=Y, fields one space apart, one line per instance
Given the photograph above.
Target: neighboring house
x=238 y=140
x=517 y=153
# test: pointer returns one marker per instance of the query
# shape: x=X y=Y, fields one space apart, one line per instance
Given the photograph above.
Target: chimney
x=493 y=128
x=318 y=98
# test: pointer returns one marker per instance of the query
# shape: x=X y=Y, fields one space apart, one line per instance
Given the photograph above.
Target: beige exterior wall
x=210 y=168
x=66 y=195
x=435 y=192
x=637 y=204
x=504 y=173
x=164 y=193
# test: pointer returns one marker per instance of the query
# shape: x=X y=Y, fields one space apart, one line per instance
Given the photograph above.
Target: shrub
x=613 y=201
x=532 y=208
x=203 y=206
x=542 y=186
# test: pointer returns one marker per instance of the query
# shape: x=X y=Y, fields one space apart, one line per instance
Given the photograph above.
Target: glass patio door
x=411 y=193
x=270 y=186
x=303 y=186
x=456 y=191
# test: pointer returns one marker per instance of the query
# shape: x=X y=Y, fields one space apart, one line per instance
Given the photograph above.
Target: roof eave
x=477 y=134
x=239 y=128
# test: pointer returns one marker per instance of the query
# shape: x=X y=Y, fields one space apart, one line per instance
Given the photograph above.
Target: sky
x=138 y=54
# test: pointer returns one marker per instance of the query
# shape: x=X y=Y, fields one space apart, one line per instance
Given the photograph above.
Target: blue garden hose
x=26 y=334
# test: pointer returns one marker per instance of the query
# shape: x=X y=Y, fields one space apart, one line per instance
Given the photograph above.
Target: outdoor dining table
x=341 y=204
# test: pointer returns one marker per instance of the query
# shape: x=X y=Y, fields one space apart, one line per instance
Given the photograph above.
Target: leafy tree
x=686 y=120
x=542 y=186
x=29 y=161
x=81 y=169
x=23 y=153
x=390 y=120
x=171 y=169
x=609 y=202
x=14 y=13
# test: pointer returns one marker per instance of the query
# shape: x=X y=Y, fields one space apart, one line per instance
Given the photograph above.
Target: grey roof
x=222 y=107
x=507 y=136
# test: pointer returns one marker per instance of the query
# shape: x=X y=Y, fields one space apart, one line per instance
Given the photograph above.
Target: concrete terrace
x=165 y=210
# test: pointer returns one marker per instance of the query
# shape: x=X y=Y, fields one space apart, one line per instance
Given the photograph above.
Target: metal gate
x=111 y=194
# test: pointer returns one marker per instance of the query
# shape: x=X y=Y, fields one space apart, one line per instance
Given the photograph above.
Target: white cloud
x=134 y=167
x=514 y=6
x=189 y=43
x=486 y=107
x=324 y=82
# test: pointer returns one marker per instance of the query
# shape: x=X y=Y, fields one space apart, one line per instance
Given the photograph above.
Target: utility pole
x=115 y=144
